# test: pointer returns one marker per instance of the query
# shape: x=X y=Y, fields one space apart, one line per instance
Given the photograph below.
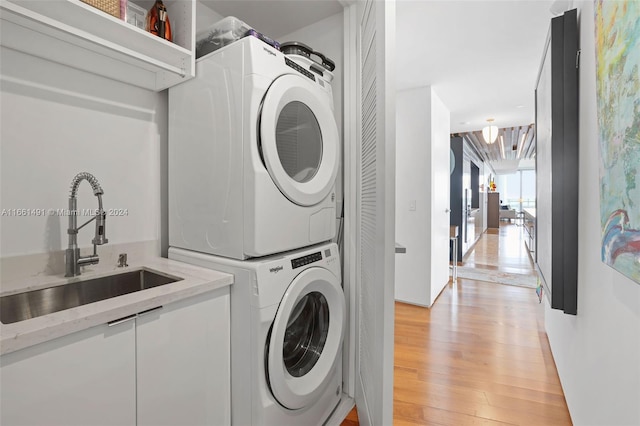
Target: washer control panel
x=305 y=260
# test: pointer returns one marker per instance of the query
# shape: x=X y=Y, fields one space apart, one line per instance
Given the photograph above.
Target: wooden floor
x=479 y=356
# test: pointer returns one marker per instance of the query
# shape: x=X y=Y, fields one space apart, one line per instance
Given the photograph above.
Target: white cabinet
x=166 y=366
x=73 y=33
x=85 y=378
x=183 y=362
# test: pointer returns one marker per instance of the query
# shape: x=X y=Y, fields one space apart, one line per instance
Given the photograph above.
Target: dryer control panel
x=298 y=68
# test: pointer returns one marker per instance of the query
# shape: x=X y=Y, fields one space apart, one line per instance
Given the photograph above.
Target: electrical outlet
x=412 y=205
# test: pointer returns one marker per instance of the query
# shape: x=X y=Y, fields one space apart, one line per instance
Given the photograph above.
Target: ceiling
x=480 y=56
x=276 y=18
x=513 y=148
x=482 y=59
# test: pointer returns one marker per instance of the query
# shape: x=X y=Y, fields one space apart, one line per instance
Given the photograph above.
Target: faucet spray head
x=101 y=225
x=100 y=238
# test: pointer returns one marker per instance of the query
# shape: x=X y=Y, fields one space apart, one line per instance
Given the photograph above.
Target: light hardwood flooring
x=479 y=356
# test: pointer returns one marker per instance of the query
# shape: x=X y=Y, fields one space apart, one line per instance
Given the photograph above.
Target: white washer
x=287 y=327
x=253 y=155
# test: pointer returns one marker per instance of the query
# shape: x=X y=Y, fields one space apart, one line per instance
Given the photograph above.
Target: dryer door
x=306 y=338
x=299 y=139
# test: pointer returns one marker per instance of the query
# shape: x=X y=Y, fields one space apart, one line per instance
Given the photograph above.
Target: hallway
x=501 y=256
x=480 y=355
x=502 y=249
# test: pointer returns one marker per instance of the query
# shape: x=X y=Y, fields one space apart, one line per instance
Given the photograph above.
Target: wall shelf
x=73 y=33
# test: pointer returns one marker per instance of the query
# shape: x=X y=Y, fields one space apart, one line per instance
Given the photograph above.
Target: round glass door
x=299 y=140
x=306 y=338
x=306 y=334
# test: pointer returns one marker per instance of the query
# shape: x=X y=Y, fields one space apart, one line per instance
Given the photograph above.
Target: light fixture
x=490 y=133
x=525 y=136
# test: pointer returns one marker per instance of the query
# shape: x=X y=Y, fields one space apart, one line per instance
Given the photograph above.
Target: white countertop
x=195 y=281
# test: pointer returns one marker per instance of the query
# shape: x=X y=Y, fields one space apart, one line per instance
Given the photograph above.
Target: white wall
x=205 y=16
x=597 y=352
x=422 y=149
x=412 y=180
x=439 y=195
x=58 y=121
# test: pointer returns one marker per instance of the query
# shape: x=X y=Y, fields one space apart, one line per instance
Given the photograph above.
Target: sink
x=31 y=304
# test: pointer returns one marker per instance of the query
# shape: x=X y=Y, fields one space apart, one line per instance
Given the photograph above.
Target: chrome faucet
x=72 y=258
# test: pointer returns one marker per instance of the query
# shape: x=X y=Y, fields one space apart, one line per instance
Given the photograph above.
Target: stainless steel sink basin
x=31 y=304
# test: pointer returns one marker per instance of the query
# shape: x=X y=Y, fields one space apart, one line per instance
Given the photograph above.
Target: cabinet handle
x=148 y=311
x=133 y=316
x=121 y=320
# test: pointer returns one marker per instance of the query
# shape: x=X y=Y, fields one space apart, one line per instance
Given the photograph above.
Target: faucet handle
x=122 y=260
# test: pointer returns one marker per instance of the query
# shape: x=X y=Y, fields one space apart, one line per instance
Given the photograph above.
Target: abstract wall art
x=617 y=27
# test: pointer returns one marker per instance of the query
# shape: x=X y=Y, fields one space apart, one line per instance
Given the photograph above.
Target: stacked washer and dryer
x=253 y=159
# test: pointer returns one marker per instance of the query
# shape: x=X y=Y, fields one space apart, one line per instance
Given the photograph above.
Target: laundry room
x=196 y=219
x=207 y=208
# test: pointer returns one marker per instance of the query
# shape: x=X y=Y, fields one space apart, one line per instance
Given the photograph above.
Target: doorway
x=495 y=246
x=505 y=254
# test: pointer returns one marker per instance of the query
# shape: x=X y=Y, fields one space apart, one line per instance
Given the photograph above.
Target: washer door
x=306 y=338
x=299 y=139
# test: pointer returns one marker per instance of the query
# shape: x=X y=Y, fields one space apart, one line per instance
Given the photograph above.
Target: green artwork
x=618 y=94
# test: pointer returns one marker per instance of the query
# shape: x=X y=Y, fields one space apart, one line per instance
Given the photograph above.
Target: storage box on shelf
x=76 y=34
x=135 y=15
x=112 y=7
x=220 y=34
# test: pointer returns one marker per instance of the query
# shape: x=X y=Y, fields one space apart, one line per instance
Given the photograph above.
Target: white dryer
x=253 y=155
x=287 y=327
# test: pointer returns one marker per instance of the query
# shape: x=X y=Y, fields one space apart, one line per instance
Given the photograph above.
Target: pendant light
x=490 y=133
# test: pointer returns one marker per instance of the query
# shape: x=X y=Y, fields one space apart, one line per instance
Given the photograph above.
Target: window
x=518 y=190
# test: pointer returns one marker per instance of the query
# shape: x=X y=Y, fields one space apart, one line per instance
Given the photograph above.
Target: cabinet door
x=493 y=210
x=184 y=363
x=374 y=255
x=85 y=378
